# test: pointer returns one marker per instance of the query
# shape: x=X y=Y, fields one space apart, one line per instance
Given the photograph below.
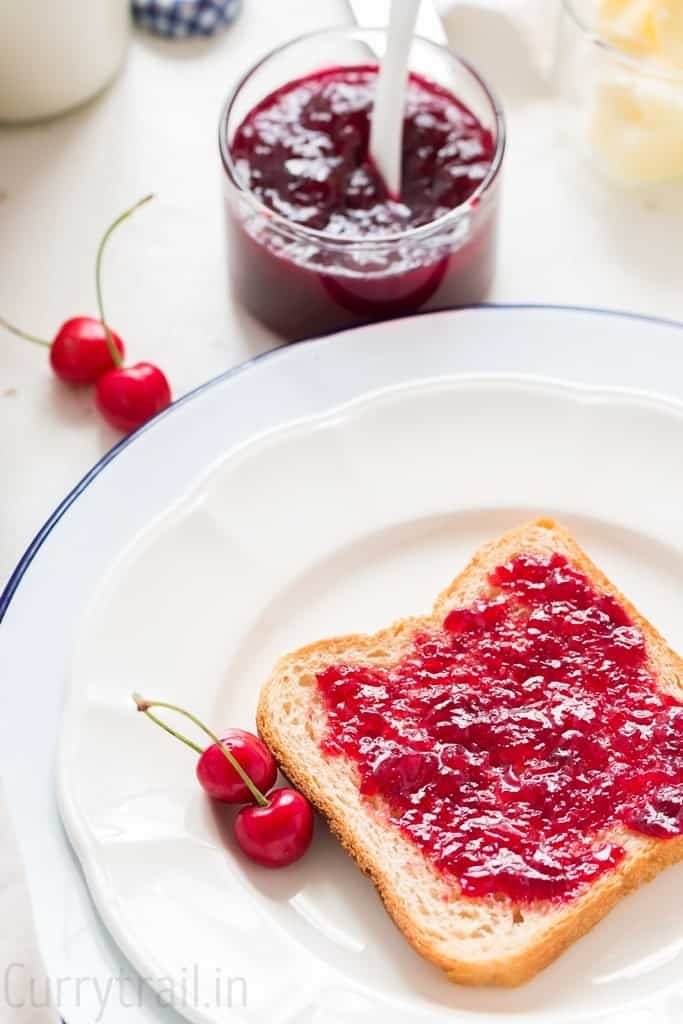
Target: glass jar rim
x=328 y=238
x=642 y=64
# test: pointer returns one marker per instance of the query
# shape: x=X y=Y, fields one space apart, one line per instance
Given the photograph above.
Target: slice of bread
x=476 y=941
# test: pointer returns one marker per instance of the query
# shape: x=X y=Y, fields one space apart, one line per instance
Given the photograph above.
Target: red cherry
x=127 y=396
x=130 y=396
x=84 y=348
x=219 y=778
x=80 y=352
x=279 y=833
x=275 y=832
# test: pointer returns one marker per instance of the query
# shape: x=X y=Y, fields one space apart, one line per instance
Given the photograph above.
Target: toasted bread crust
x=559 y=925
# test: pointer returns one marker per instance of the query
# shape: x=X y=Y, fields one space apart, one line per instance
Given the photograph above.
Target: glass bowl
x=622 y=99
x=302 y=282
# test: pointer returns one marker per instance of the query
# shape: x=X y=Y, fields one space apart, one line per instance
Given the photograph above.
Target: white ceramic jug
x=55 y=54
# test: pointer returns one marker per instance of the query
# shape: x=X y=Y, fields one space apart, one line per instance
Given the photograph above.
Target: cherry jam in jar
x=315 y=241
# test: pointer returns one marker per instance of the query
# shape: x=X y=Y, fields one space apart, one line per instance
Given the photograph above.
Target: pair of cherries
x=85 y=351
x=274 y=828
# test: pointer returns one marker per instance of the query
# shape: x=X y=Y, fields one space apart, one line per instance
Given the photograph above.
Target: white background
x=566 y=237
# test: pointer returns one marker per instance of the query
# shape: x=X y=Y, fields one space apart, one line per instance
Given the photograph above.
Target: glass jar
x=302 y=282
x=621 y=98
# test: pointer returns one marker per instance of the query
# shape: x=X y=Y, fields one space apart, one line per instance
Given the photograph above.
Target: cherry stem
x=173 y=732
x=116 y=356
x=24 y=334
x=145 y=705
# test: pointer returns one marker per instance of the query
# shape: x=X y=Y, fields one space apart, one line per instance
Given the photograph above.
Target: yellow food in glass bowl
x=637 y=117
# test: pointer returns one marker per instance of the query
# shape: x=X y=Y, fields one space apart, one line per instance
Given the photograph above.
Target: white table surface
x=565 y=237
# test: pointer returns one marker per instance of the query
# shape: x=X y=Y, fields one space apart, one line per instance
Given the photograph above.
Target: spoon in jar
x=386 y=125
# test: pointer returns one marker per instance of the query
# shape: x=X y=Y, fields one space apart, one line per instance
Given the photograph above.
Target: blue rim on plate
x=49 y=524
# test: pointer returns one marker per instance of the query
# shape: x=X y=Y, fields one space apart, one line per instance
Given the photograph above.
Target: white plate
x=338 y=524
x=311 y=942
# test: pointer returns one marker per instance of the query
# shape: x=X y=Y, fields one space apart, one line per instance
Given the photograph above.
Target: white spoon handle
x=386 y=127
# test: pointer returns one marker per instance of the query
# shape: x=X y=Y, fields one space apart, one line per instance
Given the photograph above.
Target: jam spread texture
x=507 y=744
x=304 y=152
